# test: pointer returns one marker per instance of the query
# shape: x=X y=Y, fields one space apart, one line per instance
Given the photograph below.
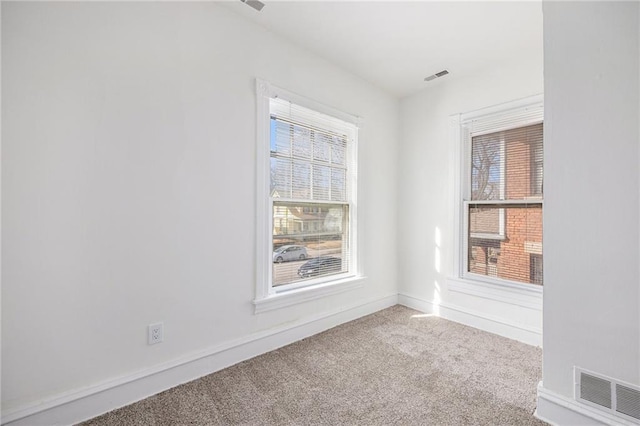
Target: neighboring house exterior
x=297 y=220
x=297 y=223
x=506 y=241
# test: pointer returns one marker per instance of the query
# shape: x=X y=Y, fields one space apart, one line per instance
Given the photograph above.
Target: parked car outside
x=320 y=266
x=288 y=253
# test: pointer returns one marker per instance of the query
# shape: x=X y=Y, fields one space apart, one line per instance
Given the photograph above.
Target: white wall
x=128 y=184
x=591 y=234
x=426 y=202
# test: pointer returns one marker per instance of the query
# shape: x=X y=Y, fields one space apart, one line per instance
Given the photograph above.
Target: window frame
x=515 y=114
x=267 y=296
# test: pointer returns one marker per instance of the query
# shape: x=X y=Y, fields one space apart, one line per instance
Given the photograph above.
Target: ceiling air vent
x=436 y=75
x=256 y=4
x=608 y=394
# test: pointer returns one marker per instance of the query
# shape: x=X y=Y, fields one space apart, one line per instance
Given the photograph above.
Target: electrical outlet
x=156 y=333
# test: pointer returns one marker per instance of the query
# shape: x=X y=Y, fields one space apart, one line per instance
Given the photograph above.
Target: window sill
x=515 y=294
x=305 y=294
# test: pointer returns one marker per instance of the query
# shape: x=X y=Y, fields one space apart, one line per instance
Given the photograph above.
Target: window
x=307 y=194
x=536 y=268
x=502 y=195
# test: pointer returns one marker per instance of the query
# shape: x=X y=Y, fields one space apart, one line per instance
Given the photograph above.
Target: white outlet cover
x=155 y=333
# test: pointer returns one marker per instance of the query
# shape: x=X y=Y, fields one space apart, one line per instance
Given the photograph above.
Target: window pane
x=486 y=222
x=536 y=268
x=280 y=178
x=338 y=185
x=307 y=164
x=506 y=242
x=309 y=241
x=321 y=182
x=322 y=147
x=338 y=150
x=301 y=187
x=486 y=160
x=507 y=165
x=280 y=137
x=537 y=169
x=301 y=142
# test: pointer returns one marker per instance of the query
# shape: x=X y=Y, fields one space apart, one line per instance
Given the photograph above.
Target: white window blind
x=313 y=169
x=503 y=195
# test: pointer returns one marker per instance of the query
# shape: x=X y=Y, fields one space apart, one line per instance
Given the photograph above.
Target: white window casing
x=464 y=127
x=307 y=175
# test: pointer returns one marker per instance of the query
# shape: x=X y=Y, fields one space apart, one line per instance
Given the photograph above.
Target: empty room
x=320 y=213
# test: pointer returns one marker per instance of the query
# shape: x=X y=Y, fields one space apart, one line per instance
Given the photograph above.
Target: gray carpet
x=395 y=367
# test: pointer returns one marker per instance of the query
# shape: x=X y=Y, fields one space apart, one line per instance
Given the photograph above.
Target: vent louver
x=608 y=394
x=596 y=390
x=436 y=75
x=256 y=4
x=628 y=401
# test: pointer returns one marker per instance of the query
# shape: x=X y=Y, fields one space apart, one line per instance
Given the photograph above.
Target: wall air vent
x=436 y=75
x=596 y=390
x=628 y=401
x=608 y=394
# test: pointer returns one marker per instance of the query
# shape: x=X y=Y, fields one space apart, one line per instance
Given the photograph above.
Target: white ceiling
x=394 y=45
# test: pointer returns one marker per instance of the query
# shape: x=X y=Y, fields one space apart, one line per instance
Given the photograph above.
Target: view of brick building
x=505 y=238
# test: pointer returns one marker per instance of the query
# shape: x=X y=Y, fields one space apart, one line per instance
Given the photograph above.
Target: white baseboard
x=501 y=326
x=558 y=410
x=83 y=404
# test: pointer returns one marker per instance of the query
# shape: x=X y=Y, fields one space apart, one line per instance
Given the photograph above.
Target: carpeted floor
x=395 y=367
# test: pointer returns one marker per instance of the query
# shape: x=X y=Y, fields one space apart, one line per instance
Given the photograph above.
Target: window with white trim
x=502 y=195
x=307 y=178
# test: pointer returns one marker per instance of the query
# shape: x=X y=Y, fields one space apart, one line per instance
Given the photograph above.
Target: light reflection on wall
x=436 y=292
x=436 y=298
x=437 y=249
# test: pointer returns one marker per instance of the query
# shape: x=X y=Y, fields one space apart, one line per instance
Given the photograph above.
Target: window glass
x=508 y=256
x=504 y=213
x=314 y=239
x=312 y=171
